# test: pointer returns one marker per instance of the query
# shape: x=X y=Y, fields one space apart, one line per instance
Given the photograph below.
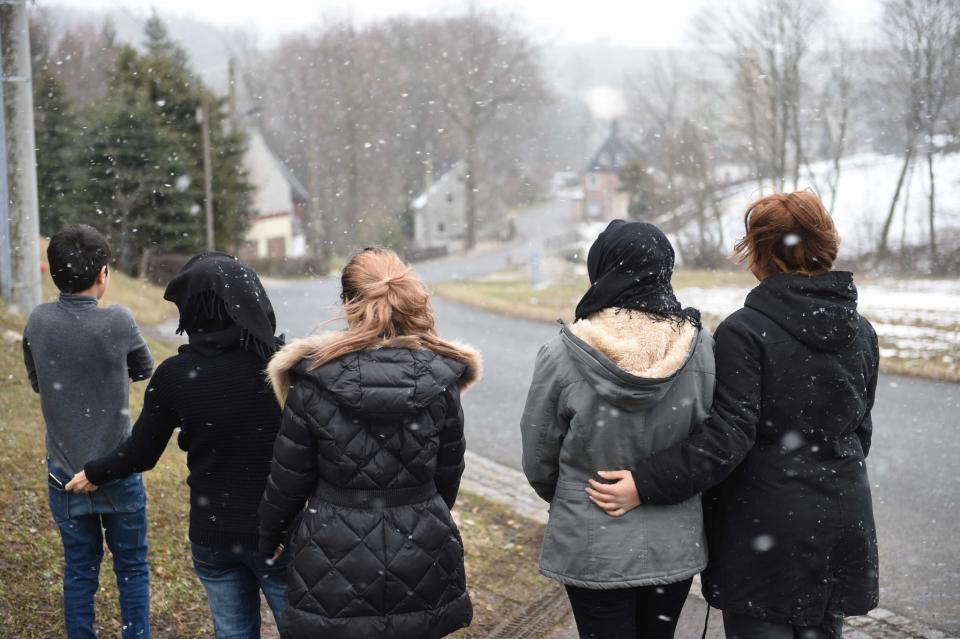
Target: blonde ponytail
x=384 y=304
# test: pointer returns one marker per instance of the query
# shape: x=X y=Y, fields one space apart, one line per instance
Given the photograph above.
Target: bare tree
x=363 y=114
x=835 y=105
x=674 y=115
x=764 y=45
x=924 y=45
x=486 y=66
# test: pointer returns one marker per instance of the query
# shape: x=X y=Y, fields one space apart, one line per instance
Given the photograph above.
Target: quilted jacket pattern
x=388 y=418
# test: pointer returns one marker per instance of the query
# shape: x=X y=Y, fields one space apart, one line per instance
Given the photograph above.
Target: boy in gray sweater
x=79 y=357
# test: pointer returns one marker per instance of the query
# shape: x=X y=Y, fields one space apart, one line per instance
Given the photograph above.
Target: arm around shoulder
x=715 y=447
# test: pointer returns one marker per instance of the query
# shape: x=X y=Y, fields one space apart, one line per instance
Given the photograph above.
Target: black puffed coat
x=789 y=520
x=366 y=468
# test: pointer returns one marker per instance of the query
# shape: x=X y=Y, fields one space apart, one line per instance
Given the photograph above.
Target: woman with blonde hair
x=372 y=442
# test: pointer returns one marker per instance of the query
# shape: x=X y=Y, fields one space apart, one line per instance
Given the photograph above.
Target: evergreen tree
x=159 y=44
x=61 y=177
x=642 y=189
x=136 y=171
x=180 y=95
x=145 y=156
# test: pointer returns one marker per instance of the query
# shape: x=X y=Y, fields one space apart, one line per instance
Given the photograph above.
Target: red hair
x=788 y=233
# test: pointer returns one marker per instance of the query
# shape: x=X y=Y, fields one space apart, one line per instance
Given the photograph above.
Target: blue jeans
x=118 y=512
x=233 y=580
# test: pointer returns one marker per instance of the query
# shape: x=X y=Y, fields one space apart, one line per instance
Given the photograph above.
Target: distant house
x=279 y=203
x=440 y=212
x=602 y=197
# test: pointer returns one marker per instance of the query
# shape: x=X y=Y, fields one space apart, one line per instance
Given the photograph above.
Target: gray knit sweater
x=79 y=357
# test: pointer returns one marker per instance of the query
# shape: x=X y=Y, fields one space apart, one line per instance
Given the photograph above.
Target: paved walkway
x=508 y=486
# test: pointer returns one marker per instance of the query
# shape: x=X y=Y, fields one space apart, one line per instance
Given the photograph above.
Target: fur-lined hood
x=636 y=342
x=294 y=359
x=631 y=359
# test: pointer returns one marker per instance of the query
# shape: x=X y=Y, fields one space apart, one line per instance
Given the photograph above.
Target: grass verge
x=510 y=294
x=502 y=551
x=501 y=548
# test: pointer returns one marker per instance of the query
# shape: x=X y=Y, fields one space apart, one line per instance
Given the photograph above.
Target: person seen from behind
x=788 y=512
x=80 y=357
x=367 y=466
x=215 y=392
x=633 y=375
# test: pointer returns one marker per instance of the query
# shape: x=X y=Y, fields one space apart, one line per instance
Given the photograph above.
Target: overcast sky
x=638 y=23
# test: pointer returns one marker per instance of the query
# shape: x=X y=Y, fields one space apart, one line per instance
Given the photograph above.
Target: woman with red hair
x=788 y=514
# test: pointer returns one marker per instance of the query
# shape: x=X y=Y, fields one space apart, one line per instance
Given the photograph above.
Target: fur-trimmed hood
x=639 y=344
x=464 y=370
x=629 y=358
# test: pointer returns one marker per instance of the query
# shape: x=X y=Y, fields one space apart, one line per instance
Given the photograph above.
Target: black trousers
x=737 y=626
x=648 y=612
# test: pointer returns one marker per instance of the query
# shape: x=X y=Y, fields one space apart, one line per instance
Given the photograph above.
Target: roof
x=295 y=185
x=275 y=186
x=615 y=153
x=442 y=183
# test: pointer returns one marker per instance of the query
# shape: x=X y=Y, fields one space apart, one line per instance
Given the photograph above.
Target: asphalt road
x=913 y=463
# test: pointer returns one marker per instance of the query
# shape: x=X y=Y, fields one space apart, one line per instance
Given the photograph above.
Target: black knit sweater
x=228 y=419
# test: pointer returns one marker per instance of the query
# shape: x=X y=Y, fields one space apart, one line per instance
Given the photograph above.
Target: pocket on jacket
x=675 y=536
x=847 y=446
x=566 y=542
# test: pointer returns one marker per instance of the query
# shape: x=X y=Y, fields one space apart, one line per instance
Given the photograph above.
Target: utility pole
x=232 y=94
x=21 y=161
x=6 y=275
x=203 y=114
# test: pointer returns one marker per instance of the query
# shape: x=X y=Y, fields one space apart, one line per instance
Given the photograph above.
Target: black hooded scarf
x=222 y=303
x=630 y=266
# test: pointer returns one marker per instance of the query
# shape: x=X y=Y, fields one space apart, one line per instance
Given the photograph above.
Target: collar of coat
x=638 y=343
x=290 y=356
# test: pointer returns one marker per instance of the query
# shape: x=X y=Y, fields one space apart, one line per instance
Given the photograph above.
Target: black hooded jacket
x=213 y=390
x=373 y=443
x=789 y=515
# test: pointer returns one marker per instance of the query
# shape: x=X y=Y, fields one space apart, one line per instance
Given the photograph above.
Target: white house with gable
x=440 y=212
x=279 y=203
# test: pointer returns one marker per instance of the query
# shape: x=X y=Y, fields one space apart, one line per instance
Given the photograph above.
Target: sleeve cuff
x=95 y=474
x=141 y=374
x=647 y=489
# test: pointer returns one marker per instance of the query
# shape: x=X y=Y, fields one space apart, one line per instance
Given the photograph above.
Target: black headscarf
x=630 y=266
x=222 y=303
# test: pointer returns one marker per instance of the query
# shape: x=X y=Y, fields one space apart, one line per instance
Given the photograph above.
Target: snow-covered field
x=867 y=182
x=914 y=319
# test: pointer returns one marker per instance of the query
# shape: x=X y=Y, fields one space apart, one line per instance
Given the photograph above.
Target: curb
x=508 y=486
